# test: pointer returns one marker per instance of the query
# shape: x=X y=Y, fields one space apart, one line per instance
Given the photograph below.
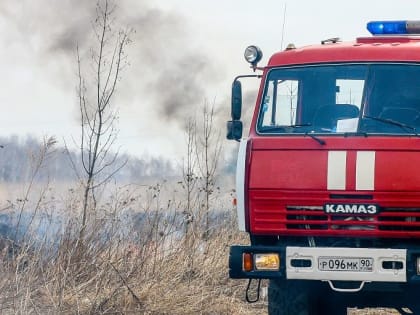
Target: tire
x=288 y=298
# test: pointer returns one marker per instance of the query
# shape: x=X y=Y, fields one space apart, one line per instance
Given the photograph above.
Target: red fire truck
x=328 y=178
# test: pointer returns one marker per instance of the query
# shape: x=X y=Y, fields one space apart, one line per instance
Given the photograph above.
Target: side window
x=280 y=103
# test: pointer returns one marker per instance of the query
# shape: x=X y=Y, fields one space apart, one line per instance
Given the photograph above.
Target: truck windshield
x=342 y=98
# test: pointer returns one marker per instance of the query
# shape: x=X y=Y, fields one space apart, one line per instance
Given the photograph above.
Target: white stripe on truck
x=336 y=177
x=240 y=184
x=365 y=170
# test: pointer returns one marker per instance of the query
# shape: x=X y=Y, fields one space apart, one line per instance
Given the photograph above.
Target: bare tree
x=189 y=185
x=189 y=173
x=97 y=112
x=208 y=149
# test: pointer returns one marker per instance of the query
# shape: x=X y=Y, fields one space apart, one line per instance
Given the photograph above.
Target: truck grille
x=391 y=222
x=301 y=213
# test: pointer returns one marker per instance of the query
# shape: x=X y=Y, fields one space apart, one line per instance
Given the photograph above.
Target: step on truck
x=328 y=175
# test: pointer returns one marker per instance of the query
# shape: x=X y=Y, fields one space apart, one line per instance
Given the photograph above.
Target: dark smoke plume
x=176 y=74
x=166 y=68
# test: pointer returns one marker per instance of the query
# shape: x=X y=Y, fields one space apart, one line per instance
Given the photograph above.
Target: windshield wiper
x=284 y=127
x=393 y=122
x=319 y=140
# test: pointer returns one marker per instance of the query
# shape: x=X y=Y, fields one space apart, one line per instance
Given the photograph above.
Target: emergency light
x=393 y=27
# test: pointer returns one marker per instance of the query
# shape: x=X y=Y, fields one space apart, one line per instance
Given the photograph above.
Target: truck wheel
x=290 y=298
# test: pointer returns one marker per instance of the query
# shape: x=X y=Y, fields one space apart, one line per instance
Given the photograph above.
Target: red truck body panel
x=288 y=179
x=287 y=183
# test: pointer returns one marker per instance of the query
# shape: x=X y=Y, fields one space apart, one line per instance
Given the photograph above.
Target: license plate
x=358 y=264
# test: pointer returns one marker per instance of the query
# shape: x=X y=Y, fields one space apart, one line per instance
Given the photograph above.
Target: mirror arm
x=258 y=76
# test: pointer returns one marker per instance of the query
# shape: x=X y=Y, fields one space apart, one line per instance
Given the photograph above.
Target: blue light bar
x=393 y=27
x=387 y=27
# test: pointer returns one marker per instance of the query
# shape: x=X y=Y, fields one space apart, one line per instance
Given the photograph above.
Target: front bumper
x=404 y=270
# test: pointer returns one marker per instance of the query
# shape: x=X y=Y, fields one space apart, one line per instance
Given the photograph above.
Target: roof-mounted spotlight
x=253 y=55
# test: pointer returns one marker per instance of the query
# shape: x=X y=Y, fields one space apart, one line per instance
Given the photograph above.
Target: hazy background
x=184 y=52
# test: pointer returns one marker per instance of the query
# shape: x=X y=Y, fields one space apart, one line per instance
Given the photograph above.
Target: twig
x=126 y=284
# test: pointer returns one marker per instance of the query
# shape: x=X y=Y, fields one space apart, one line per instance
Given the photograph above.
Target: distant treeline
x=19 y=157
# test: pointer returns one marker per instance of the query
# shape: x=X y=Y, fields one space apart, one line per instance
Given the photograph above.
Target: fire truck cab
x=328 y=177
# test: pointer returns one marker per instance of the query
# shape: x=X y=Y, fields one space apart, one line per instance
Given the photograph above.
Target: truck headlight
x=269 y=261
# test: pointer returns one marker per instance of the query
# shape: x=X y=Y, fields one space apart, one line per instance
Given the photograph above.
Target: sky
x=183 y=53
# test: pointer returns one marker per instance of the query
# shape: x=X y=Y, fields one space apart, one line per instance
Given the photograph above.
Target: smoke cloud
x=49 y=25
x=166 y=68
x=176 y=74
x=170 y=74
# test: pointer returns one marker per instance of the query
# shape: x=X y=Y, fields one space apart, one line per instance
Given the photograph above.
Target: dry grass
x=187 y=277
x=157 y=265
x=123 y=265
x=377 y=311
x=80 y=279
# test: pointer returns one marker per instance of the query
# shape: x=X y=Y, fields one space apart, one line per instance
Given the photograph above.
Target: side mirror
x=234 y=130
x=236 y=100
